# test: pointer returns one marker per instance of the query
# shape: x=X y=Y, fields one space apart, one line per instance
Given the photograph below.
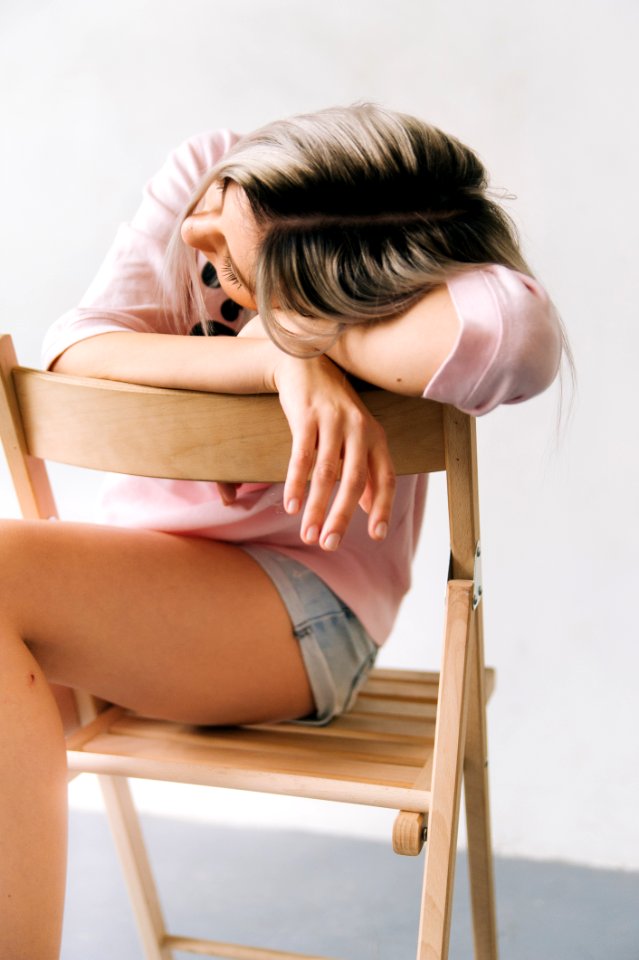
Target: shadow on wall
x=343 y=898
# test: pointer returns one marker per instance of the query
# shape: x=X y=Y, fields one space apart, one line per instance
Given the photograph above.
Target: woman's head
x=223 y=222
x=349 y=215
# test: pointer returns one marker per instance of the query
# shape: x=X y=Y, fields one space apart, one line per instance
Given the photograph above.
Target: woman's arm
x=403 y=354
x=490 y=336
x=221 y=364
x=330 y=427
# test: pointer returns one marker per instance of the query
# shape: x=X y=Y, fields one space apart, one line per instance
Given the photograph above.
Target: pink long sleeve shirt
x=507 y=350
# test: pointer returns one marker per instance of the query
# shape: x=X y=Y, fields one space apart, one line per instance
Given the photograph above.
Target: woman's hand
x=332 y=428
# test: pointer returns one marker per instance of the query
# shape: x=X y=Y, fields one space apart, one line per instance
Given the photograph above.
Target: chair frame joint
x=478 y=588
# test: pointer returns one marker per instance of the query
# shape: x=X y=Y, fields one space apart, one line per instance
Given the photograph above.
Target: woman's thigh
x=176 y=627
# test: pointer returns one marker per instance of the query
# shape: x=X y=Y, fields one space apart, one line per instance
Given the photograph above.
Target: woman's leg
x=181 y=628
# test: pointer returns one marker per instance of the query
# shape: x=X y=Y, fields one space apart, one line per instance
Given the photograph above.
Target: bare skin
x=97 y=608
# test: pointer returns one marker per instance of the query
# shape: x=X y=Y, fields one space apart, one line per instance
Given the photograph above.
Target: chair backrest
x=179 y=434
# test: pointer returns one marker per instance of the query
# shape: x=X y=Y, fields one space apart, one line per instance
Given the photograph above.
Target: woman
x=354 y=240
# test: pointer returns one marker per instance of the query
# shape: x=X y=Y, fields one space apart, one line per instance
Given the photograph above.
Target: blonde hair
x=361 y=211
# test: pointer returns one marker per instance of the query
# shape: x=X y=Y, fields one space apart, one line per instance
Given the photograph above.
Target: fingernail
x=332 y=541
x=293 y=505
x=312 y=534
x=381 y=530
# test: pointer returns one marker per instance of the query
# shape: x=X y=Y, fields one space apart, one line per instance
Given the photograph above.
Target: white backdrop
x=94 y=96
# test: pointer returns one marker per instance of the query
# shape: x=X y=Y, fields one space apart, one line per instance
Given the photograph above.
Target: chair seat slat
x=392 y=690
x=373 y=706
x=370 y=727
x=275 y=742
x=261 y=761
x=405 y=676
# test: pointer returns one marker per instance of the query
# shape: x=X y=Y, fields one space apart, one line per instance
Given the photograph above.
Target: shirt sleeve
x=509 y=344
x=125 y=294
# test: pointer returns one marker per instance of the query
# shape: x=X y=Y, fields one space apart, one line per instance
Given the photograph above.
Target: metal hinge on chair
x=477 y=581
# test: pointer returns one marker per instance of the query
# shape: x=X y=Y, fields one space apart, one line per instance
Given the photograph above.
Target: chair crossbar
x=230 y=951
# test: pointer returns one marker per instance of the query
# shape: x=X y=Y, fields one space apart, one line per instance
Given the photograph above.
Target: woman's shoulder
x=508 y=291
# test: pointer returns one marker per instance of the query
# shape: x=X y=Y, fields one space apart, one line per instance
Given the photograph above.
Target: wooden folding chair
x=403 y=744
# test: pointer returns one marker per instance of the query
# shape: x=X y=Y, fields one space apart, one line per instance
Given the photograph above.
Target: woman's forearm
x=218 y=364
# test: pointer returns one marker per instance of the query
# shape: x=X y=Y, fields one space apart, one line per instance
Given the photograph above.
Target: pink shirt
x=508 y=349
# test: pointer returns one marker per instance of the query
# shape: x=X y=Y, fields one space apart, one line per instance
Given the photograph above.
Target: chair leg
x=443 y=816
x=480 y=857
x=125 y=826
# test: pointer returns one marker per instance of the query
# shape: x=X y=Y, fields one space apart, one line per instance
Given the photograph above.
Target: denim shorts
x=337 y=651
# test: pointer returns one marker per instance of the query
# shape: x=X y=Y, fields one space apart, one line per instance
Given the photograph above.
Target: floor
x=359 y=901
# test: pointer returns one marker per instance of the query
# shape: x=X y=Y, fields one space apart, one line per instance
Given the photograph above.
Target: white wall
x=93 y=98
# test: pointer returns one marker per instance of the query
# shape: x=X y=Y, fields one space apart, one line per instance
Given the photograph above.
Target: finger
x=227 y=492
x=382 y=486
x=323 y=481
x=351 y=488
x=376 y=498
x=299 y=466
x=366 y=499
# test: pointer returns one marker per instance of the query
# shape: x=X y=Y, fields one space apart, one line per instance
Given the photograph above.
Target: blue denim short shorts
x=337 y=651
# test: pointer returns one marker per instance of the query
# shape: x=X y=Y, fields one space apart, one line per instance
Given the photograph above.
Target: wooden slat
x=100 y=724
x=480 y=858
x=371 y=727
x=151 y=431
x=394 y=690
x=273 y=742
x=463 y=497
x=439 y=870
x=463 y=502
x=371 y=706
x=490 y=682
x=225 y=758
x=127 y=834
x=403 y=683
x=231 y=951
x=299 y=785
x=29 y=474
x=408 y=676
